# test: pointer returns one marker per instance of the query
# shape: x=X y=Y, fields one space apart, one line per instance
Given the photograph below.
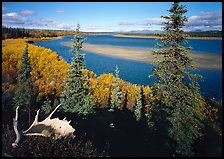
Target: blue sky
x=107 y=16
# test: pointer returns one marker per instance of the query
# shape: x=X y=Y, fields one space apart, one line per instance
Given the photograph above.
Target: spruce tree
x=139 y=105
x=76 y=97
x=46 y=107
x=116 y=94
x=24 y=96
x=180 y=103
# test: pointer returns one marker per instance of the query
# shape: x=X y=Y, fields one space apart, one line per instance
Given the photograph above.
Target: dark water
x=138 y=72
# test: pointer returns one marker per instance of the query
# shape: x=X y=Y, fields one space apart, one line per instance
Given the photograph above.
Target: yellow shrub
x=49 y=72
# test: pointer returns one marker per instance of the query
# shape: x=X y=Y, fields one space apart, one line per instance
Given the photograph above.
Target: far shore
x=58 y=37
x=202 y=61
x=44 y=38
x=154 y=36
x=55 y=38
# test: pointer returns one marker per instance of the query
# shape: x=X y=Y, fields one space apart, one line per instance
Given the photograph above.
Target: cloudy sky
x=107 y=16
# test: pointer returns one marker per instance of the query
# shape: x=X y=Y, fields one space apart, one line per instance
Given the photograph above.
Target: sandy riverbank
x=153 y=36
x=202 y=61
x=44 y=38
x=56 y=38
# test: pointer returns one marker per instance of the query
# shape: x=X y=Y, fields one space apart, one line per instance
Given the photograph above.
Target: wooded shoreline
x=154 y=36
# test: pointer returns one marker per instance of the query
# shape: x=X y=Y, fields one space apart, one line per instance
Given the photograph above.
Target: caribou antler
x=15 y=126
x=36 y=118
x=47 y=128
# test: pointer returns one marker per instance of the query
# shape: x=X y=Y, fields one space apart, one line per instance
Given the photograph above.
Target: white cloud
x=27 y=12
x=49 y=24
x=94 y=27
x=146 y=22
x=127 y=23
x=60 y=11
x=152 y=21
x=65 y=26
x=18 y=20
x=99 y=28
x=206 y=18
x=13 y=18
x=204 y=21
x=120 y=27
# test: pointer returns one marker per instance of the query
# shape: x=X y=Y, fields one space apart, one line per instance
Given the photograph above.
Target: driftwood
x=48 y=128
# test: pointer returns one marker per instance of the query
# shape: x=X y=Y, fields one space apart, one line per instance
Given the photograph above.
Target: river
x=138 y=72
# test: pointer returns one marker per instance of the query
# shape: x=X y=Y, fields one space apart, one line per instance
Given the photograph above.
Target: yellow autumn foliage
x=101 y=88
x=48 y=69
x=49 y=72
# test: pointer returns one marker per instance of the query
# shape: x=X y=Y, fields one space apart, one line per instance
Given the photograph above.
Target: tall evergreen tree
x=24 y=96
x=116 y=94
x=76 y=97
x=180 y=103
x=139 y=105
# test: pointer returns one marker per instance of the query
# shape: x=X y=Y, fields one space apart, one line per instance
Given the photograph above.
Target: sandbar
x=202 y=61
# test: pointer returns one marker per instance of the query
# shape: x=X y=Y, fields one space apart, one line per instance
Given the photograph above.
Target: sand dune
x=203 y=61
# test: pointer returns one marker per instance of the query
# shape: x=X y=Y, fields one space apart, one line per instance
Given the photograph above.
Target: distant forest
x=206 y=34
x=192 y=34
x=9 y=32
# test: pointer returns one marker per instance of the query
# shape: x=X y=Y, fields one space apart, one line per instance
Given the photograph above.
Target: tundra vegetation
x=111 y=117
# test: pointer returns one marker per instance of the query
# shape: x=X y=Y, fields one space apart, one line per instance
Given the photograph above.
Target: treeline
x=191 y=34
x=9 y=32
x=206 y=34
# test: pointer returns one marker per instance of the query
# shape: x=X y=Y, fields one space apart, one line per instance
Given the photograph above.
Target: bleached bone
x=15 y=126
x=47 y=128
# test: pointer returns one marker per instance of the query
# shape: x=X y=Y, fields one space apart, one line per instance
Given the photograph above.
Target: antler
x=36 y=118
x=52 y=112
x=46 y=128
x=15 y=126
x=34 y=122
